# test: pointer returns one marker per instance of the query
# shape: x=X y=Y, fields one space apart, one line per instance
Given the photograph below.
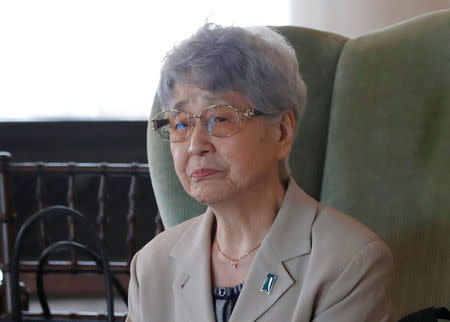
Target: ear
x=286 y=134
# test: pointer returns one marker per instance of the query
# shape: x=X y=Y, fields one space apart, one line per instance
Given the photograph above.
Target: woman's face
x=213 y=169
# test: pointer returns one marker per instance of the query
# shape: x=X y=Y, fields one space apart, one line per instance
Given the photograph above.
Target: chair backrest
x=318 y=53
x=388 y=154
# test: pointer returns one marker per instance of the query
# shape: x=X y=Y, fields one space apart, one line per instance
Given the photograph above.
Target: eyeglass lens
x=218 y=120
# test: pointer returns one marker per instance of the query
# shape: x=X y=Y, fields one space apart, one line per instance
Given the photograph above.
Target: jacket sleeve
x=133 y=293
x=362 y=291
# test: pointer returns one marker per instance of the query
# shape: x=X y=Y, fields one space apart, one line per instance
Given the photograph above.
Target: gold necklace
x=235 y=261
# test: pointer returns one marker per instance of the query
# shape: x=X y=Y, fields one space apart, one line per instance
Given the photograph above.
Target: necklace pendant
x=234 y=264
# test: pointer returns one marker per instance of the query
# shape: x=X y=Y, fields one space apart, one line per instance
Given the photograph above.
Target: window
x=89 y=59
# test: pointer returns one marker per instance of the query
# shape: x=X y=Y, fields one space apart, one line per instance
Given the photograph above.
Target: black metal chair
x=98 y=257
x=64 y=245
x=430 y=314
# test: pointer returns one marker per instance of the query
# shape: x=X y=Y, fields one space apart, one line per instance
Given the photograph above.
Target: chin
x=208 y=193
x=206 y=199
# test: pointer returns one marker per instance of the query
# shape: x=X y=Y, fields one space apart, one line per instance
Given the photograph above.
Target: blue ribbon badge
x=268 y=283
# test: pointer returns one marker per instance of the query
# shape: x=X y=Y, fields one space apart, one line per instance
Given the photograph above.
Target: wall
x=352 y=18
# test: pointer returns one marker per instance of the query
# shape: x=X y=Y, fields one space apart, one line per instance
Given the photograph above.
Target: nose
x=199 y=139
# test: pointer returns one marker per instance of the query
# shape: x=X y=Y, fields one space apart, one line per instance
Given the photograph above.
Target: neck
x=242 y=223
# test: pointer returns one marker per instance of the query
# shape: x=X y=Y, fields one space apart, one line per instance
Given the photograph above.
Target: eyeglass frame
x=247 y=114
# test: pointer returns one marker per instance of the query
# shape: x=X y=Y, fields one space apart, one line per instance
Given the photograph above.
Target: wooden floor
x=78 y=304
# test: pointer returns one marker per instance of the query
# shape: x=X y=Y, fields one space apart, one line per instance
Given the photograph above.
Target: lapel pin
x=268 y=283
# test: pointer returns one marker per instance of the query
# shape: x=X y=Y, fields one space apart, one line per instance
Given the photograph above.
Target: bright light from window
x=90 y=59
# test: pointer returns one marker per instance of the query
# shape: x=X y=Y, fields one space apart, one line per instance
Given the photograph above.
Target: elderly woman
x=264 y=250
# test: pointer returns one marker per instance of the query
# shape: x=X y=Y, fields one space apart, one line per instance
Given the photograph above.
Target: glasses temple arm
x=159 y=123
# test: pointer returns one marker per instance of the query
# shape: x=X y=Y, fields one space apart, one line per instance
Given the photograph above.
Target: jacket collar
x=290 y=234
x=289 y=237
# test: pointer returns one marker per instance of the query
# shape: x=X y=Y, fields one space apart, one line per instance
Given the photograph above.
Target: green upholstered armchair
x=374 y=142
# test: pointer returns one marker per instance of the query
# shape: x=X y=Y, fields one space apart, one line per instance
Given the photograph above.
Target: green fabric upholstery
x=318 y=55
x=388 y=155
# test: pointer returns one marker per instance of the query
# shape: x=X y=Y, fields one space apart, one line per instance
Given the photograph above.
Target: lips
x=203 y=173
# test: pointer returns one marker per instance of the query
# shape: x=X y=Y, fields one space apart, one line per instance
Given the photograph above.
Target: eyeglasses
x=218 y=120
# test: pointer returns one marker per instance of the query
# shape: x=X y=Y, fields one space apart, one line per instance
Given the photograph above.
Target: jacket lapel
x=289 y=237
x=192 y=282
x=252 y=303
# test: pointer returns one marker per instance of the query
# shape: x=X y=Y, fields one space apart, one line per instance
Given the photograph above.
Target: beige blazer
x=329 y=268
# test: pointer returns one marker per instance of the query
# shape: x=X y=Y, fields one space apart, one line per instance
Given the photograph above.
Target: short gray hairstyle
x=255 y=61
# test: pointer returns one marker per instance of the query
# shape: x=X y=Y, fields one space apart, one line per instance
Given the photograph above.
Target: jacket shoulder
x=340 y=237
x=351 y=262
x=334 y=226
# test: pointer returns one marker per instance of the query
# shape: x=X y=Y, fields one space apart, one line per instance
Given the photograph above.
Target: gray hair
x=255 y=61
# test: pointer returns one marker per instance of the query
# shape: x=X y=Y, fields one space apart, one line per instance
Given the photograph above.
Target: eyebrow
x=179 y=105
x=209 y=98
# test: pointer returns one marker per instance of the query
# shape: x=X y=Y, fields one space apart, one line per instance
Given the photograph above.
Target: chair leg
x=6 y=233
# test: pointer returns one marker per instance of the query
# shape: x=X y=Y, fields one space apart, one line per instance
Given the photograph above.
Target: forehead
x=191 y=98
